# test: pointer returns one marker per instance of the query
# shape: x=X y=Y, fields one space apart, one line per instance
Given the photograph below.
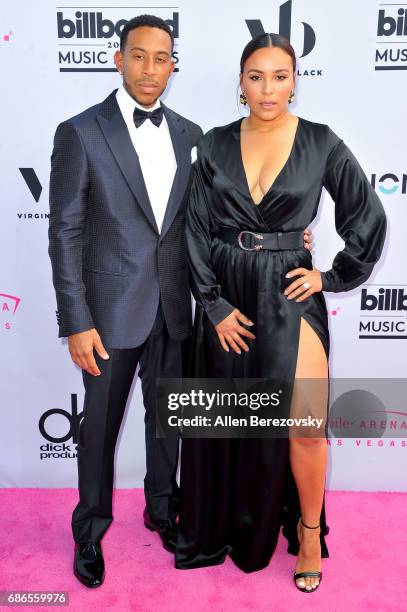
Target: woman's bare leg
x=308 y=455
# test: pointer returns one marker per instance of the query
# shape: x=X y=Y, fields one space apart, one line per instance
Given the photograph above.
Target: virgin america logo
x=31 y=180
x=35 y=188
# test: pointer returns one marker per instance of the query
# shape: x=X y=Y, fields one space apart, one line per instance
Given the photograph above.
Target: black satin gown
x=237 y=493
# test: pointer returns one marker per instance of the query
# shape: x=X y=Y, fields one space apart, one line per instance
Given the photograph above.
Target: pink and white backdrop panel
x=55 y=62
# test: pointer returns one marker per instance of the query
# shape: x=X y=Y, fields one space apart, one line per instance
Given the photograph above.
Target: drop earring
x=291 y=97
x=243 y=99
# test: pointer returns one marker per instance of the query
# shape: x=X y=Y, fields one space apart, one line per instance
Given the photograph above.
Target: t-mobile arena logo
x=8 y=306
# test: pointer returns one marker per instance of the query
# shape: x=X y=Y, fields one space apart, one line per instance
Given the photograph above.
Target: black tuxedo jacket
x=110 y=263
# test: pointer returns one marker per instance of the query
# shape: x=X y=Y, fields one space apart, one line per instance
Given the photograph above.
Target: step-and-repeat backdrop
x=55 y=62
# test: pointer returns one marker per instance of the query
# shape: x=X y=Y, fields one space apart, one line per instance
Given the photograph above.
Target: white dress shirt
x=155 y=151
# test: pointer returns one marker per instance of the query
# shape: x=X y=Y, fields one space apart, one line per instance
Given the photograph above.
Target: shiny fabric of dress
x=237 y=493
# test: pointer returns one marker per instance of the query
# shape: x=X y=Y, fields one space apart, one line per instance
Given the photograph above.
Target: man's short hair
x=140 y=21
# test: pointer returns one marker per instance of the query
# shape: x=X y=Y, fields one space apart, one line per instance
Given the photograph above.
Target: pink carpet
x=367 y=569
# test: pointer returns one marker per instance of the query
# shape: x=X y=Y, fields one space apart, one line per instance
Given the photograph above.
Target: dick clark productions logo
x=67 y=427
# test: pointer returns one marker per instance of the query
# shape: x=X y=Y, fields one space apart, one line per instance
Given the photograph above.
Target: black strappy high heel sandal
x=310 y=574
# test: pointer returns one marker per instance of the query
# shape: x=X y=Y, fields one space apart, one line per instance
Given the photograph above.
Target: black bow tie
x=155 y=116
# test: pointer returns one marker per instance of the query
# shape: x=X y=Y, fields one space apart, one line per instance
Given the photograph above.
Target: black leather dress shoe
x=166 y=529
x=89 y=565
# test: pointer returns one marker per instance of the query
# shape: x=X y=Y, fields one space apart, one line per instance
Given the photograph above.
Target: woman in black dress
x=264 y=174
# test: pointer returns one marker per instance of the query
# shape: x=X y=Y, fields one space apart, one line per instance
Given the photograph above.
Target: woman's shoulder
x=217 y=135
x=220 y=131
x=322 y=131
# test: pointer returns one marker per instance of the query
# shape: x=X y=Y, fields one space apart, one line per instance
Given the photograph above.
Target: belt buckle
x=256 y=247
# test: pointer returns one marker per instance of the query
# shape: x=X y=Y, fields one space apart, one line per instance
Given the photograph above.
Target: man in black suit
x=120 y=178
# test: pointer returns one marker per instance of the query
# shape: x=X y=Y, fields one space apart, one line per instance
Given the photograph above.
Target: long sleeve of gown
x=360 y=219
x=205 y=287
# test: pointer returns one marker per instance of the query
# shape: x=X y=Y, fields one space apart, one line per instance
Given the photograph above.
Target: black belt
x=254 y=241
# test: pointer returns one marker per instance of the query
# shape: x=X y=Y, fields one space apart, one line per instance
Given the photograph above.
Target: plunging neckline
x=278 y=174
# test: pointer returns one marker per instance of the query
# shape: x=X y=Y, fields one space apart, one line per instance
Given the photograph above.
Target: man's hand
x=230 y=331
x=81 y=347
x=308 y=239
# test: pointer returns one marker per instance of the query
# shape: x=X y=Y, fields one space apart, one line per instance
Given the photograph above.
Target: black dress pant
x=105 y=400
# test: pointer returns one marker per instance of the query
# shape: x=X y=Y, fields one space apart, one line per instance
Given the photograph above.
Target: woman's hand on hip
x=308 y=239
x=230 y=330
x=307 y=283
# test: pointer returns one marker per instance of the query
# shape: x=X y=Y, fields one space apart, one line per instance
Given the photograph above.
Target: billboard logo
x=383 y=313
x=88 y=25
x=391 y=44
x=87 y=40
x=385 y=299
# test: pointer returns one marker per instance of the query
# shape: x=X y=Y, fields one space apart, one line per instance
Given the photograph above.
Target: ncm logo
x=392 y=183
x=57 y=447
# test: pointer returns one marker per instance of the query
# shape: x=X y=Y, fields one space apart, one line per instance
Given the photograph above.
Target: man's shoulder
x=192 y=127
x=87 y=117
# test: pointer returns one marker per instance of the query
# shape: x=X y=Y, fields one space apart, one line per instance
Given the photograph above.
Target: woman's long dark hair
x=267 y=40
